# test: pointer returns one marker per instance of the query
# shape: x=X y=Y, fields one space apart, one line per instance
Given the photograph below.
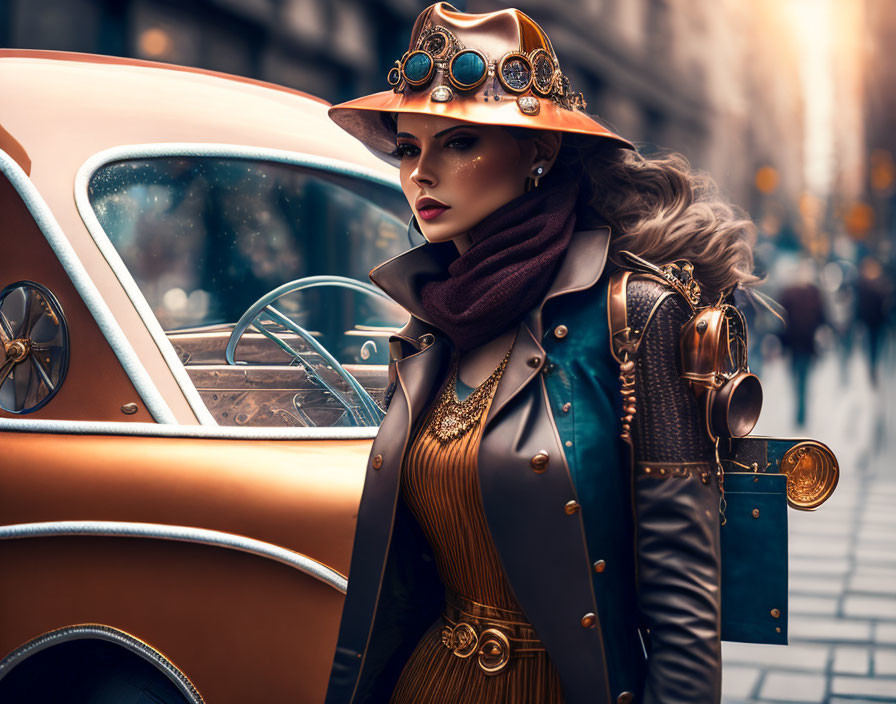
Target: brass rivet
x=776 y=613
x=625 y=698
x=777 y=629
x=561 y=331
x=568 y=443
x=571 y=507
x=588 y=620
x=377 y=461
x=534 y=361
x=566 y=407
x=130 y=409
x=540 y=461
x=600 y=566
x=755 y=513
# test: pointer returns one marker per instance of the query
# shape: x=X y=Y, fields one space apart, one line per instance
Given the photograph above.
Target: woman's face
x=454 y=173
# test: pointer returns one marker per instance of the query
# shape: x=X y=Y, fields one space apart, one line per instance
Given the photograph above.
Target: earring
x=539 y=172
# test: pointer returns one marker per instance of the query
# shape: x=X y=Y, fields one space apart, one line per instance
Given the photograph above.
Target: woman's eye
x=406 y=150
x=461 y=142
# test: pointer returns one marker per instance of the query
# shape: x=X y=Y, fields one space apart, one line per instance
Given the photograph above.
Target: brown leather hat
x=497 y=68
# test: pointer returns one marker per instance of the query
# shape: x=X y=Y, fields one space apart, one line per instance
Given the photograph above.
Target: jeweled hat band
x=438 y=52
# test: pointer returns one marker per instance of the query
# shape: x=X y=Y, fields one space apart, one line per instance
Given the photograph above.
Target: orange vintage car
x=193 y=368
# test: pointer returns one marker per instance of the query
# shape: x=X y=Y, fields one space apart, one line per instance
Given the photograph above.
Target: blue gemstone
x=468 y=68
x=417 y=67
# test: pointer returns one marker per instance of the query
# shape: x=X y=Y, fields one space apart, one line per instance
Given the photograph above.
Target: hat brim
x=363 y=117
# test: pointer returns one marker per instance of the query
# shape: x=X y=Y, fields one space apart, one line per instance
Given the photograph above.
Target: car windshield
x=206 y=237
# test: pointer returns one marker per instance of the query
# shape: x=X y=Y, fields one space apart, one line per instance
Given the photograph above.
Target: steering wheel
x=368 y=413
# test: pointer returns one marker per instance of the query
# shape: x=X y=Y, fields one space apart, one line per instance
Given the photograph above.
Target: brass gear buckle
x=492 y=647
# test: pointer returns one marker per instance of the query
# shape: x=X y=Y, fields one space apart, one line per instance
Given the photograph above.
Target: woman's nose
x=423 y=174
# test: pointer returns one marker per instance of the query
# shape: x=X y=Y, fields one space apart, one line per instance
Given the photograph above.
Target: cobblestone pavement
x=842 y=556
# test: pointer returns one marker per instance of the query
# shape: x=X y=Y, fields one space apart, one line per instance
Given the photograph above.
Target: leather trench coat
x=557 y=492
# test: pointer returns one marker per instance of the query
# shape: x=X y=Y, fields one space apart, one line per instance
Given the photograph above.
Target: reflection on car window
x=206 y=237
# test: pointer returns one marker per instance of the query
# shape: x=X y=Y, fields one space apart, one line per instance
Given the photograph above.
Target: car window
x=205 y=237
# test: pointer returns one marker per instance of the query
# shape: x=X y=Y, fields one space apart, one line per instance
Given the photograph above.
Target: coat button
x=625 y=698
x=561 y=331
x=571 y=507
x=534 y=361
x=540 y=461
x=600 y=566
x=588 y=620
x=377 y=461
x=567 y=407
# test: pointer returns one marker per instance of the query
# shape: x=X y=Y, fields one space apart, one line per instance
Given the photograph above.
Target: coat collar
x=404 y=276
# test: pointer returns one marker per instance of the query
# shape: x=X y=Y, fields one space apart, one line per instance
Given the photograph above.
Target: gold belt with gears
x=492 y=634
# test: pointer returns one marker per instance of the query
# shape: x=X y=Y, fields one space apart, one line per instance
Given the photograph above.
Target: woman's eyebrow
x=406 y=135
x=451 y=129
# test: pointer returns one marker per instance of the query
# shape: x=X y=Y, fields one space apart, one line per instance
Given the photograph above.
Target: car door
x=203 y=525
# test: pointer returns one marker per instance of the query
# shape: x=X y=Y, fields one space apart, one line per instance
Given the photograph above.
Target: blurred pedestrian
x=871 y=309
x=805 y=315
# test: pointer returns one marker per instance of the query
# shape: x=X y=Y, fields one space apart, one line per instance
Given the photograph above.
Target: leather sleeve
x=677 y=512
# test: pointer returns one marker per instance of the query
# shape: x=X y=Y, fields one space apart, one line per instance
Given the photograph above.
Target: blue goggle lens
x=468 y=69
x=418 y=67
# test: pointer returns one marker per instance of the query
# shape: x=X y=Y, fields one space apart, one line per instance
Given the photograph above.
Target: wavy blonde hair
x=663 y=210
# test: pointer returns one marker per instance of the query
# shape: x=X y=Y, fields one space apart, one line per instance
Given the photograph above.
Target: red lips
x=430 y=208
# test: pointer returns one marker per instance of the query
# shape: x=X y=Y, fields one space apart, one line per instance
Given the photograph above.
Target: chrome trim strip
x=91 y=296
x=221 y=432
x=144 y=151
x=185 y=534
x=110 y=635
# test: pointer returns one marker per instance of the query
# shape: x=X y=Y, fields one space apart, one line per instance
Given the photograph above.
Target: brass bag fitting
x=714 y=362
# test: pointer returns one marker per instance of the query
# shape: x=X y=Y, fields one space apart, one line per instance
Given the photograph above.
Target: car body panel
x=261 y=611
x=234 y=512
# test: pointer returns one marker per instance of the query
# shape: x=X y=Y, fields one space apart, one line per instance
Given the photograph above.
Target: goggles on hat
x=467 y=69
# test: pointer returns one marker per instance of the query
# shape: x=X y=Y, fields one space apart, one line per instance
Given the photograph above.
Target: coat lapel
x=581 y=268
x=404 y=276
x=420 y=374
x=526 y=360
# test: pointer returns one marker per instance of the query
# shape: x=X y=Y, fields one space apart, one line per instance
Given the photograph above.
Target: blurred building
x=880 y=85
x=715 y=79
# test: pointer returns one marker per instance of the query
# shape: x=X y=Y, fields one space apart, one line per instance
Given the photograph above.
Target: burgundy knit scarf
x=507 y=270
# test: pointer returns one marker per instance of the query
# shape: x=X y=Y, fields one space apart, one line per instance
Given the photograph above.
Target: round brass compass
x=812 y=474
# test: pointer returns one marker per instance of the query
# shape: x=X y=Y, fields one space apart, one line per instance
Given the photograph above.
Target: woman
x=496 y=552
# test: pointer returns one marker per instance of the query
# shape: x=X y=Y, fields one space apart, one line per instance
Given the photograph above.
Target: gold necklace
x=452 y=417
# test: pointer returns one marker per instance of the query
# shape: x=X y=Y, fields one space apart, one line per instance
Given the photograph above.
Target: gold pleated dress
x=452 y=662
